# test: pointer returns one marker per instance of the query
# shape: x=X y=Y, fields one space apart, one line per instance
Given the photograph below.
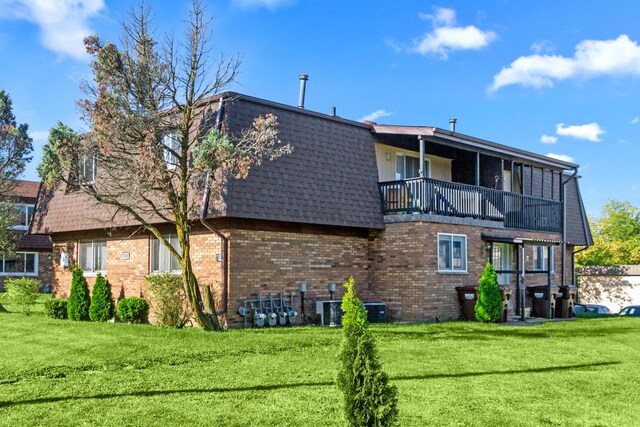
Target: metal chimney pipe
x=333 y=111
x=452 y=122
x=303 y=87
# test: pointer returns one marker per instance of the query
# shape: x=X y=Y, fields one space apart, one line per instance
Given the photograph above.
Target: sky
x=559 y=78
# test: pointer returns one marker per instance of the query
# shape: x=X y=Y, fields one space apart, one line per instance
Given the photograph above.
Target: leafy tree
x=149 y=107
x=79 y=300
x=167 y=299
x=23 y=292
x=15 y=150
x=101 y=308
x=489 y=305
x=616 y=236
x=369 y=400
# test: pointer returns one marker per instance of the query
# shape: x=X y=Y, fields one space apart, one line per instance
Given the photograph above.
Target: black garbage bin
x=540 y=300
x=565 y=301
x=468 y=296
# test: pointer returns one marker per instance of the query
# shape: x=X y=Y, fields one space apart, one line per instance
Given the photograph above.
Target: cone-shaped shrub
x=79 y=300
x=369 y=400
x=489 y=305
x=101 y=308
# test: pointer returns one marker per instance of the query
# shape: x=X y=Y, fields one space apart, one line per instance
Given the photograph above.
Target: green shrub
x=79 y=300
x=167 y=299
x=133 y=310
x=101 y=308
x=369 y=399
x=489 y=305
x=56 y=308
x=23 y=292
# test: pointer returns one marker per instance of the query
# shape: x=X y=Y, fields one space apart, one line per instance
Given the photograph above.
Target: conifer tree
x=101 y=308
x=369 y=399
x=79 y=300
x=489 y=305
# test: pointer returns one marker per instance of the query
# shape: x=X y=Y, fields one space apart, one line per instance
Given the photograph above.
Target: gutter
x=564 y=224
x=224 y=241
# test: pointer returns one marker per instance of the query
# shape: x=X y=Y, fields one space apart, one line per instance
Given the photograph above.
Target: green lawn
x=54 y=372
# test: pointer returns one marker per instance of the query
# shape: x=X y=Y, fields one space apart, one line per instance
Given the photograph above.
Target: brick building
x=410 y=211
x=32 y=257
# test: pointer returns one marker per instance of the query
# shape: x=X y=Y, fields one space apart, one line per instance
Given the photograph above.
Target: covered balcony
x=438 y=172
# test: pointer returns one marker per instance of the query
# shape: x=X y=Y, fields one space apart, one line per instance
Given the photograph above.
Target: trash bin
x=565 y=301
x=506 y=295
x=468 y=296
x=540 y=300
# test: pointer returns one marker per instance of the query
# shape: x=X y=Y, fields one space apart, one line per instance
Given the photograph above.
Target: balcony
x=425 y=195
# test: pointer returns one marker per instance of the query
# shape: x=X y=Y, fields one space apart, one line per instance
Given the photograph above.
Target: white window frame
x=537 y=251
x=170 y=142
x=22 y=273
x=464 y=258
x=83 y=178
x=93 y=272
x=162 y=248
x=24 y=208
x=404 y=164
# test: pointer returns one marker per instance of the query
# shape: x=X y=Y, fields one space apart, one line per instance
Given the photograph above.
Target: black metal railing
x=427 y=195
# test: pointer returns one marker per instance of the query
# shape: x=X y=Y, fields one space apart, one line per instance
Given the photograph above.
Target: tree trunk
x=2 y=309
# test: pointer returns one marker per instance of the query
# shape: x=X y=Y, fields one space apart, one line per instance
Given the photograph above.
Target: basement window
x=163 y=261
x=92 y=256
x=452 y=253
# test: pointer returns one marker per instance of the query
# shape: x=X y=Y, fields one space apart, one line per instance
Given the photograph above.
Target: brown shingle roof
x=26 y=191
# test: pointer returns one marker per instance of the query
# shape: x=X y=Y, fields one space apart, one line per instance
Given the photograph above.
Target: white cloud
x=622 y=141
x=63 y=23
x=635 y=120
x=543 y=46
x=592 y=58
x=562 y=157
x=446 y=36
x=548 y=139
x=372 y=117
x=590 y=132
x=269 y=4
x=39 y=135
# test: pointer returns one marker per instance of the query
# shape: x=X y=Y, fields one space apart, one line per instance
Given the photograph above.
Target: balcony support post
x=422 y=173
x=477 y=169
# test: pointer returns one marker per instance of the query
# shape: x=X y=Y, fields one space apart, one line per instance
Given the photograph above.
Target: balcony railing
x=425 y=195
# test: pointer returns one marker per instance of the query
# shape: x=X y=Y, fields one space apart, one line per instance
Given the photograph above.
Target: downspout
x=564 y=223
x=224 y=241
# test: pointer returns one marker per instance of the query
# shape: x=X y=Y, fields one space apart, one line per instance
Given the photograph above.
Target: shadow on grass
x=271 y=387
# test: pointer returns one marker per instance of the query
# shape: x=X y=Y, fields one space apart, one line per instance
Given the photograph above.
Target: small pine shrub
x=369 y=399
x=489 y=305
x=56 y=308
x=133 y=310
x=23 y=292
x=101 y=308
x=167 y=299
x=79 y=300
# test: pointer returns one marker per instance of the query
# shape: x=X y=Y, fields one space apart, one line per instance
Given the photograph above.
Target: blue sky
x=552 y=77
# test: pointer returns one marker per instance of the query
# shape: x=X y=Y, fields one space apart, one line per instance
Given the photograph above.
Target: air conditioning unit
x=330 y=312
x=376 y=312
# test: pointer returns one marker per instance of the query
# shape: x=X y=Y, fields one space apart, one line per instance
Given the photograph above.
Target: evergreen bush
x=167 y=299
x=56 y=308
x=133 y=310
x=489 y=305
x=79 y=300
x=101 y=308
x=23 y=292
x=369 y=399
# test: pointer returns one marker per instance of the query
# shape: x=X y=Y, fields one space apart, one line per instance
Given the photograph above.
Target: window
x=92 y=256
x=409 y=167
x=88 y=164
x=24 y=213
x=452 y=253
x=541 y=258
x=171 y=147
x=21 y=264
x=162 y=261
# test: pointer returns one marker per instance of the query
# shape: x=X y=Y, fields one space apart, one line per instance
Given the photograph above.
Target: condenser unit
x=330 y=312
x=376 y=312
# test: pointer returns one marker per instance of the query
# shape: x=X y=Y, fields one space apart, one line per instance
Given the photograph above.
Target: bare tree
x=150 y=113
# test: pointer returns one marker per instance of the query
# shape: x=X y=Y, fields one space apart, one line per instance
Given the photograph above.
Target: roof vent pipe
x=452 y=123
x=303 y=87
x=333 y=111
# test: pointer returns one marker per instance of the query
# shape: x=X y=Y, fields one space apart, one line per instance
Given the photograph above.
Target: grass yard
x=55 y=372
